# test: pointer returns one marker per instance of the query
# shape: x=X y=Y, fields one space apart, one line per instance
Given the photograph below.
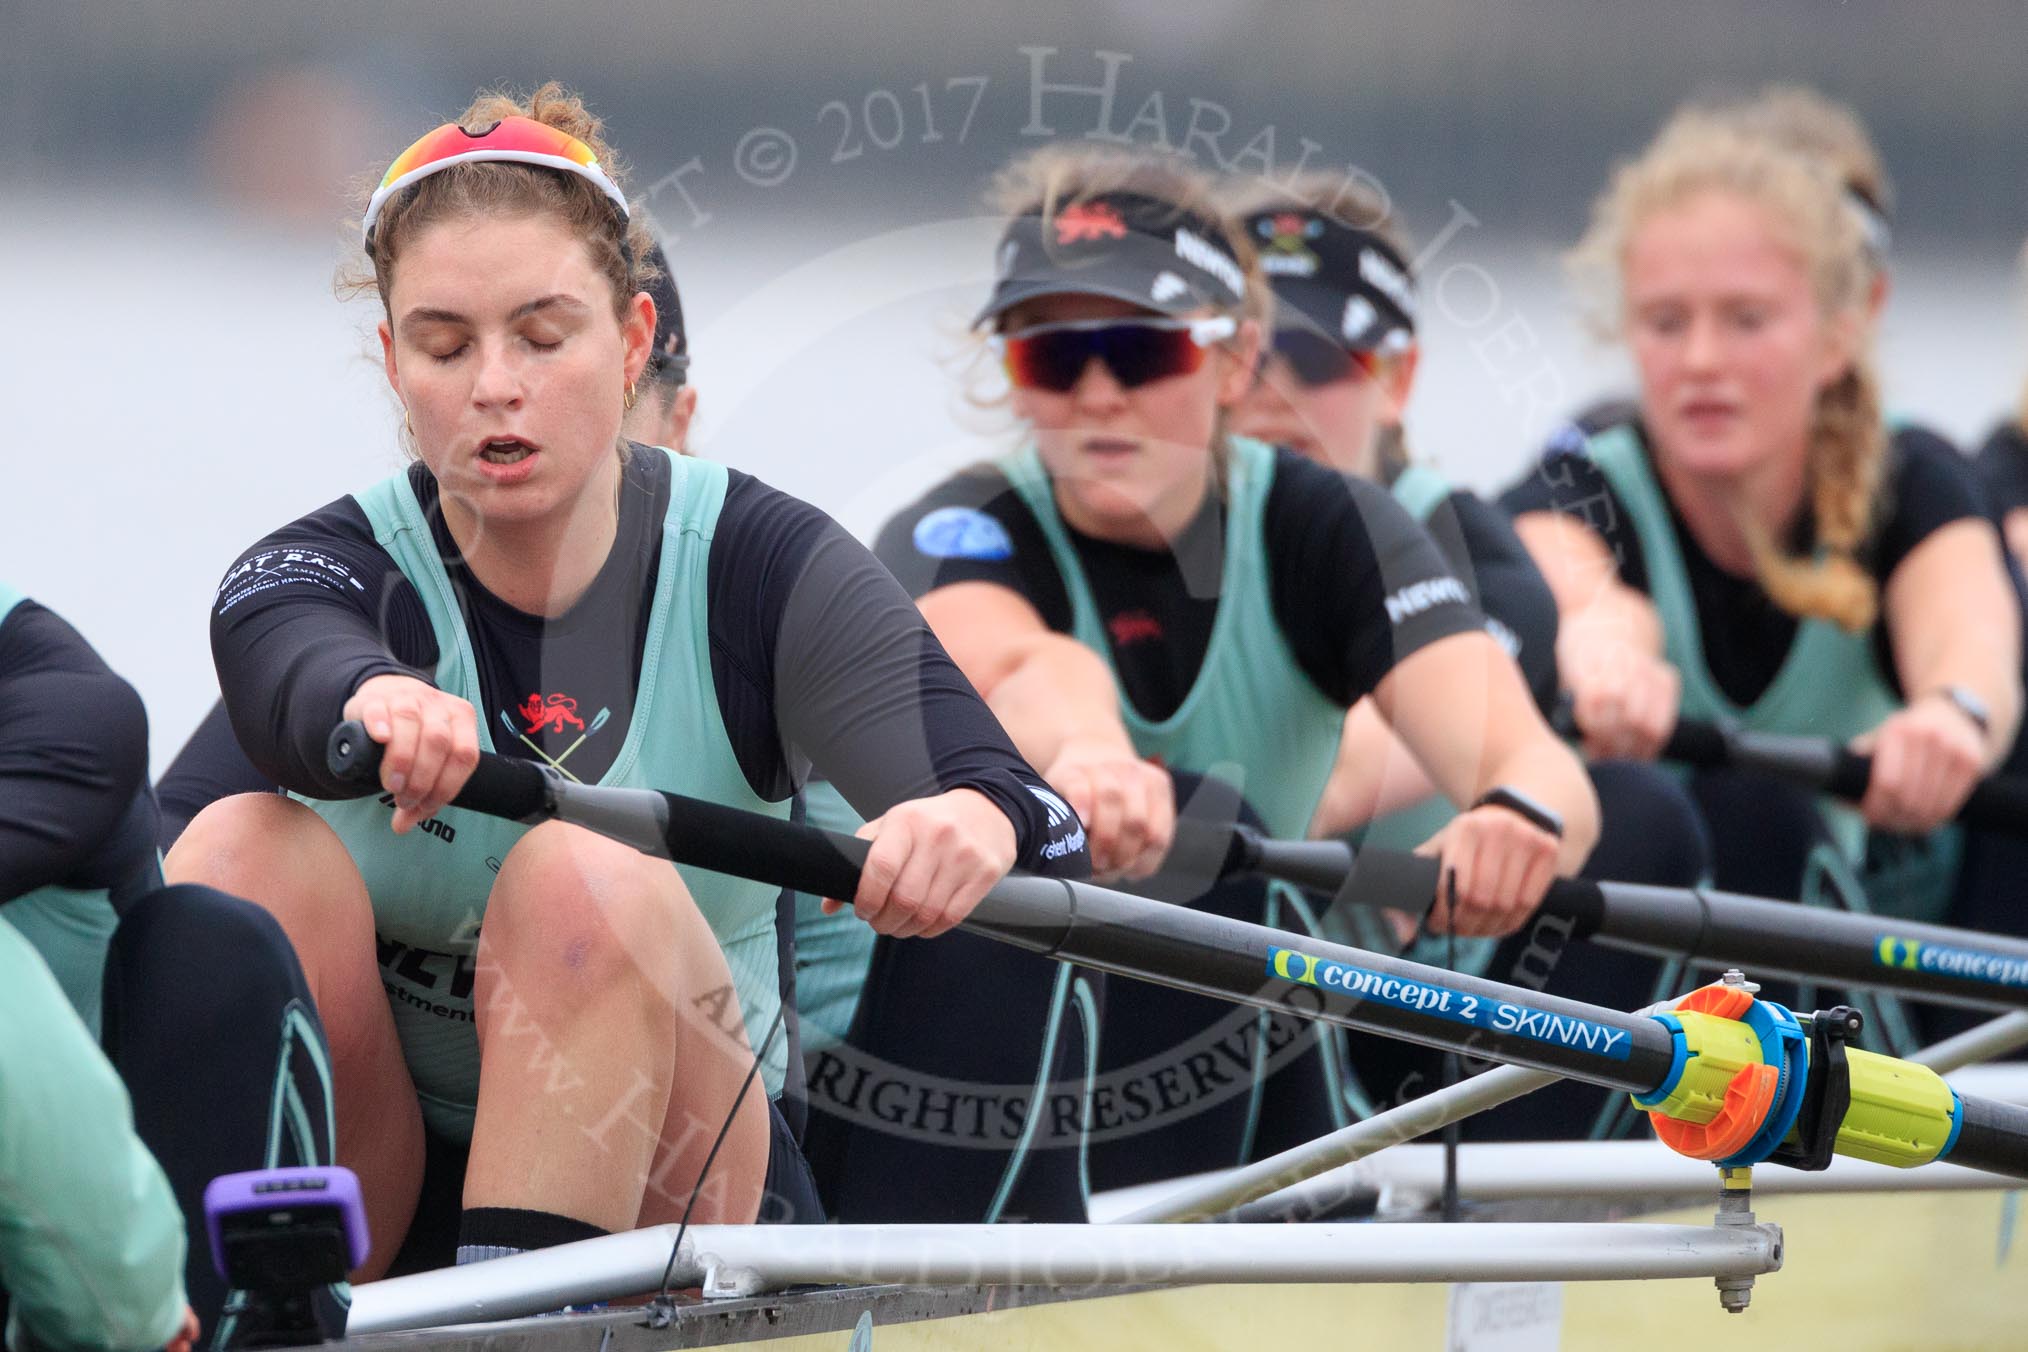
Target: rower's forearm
x=1375 y=774
x=1584 y=577
x=1617 y=613
x=1059 y=692
x=73 y=757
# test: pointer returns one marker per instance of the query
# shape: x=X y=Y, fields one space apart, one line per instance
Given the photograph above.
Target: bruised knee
x=585 y=911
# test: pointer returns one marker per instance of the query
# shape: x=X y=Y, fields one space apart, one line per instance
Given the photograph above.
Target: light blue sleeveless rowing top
x=431 y=893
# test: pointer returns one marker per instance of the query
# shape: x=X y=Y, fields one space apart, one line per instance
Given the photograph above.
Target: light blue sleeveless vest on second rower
x=1830 y=684
x=71 y=929
x=429 y=890
x=833 y=952
x=1253 y=717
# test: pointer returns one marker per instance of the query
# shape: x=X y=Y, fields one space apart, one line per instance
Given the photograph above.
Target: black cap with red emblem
x=1138 y=249
x=1347 y=283
x=669 y=359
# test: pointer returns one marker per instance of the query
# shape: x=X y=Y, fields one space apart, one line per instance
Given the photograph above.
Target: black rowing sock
x=497 y=1231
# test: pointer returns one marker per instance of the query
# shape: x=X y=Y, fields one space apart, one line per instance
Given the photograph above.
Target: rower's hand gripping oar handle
x=701 y=834
x=1997 y=803
x=1391 y=877
x=1368 y=878
x=499 y=786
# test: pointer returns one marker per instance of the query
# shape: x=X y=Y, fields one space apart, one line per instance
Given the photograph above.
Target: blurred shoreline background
x=182 y=379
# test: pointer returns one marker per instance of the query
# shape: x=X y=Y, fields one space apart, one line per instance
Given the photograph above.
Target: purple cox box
x=267 y=1189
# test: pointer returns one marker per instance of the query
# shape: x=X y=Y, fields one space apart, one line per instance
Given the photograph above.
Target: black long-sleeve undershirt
x=1926 y=485
x=74 y=803
x=210 y=766
x=2002 y=463
x=1520 y=610
x=817 y=655
x=1336 y=549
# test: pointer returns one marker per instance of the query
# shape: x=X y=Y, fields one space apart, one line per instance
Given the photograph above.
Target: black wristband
x=1536 y=814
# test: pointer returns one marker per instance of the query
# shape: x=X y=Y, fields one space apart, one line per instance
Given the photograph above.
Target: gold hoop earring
x=629 y=398
x=407 y=420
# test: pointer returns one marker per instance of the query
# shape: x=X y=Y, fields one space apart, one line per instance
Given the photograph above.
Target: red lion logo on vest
x=550 y=714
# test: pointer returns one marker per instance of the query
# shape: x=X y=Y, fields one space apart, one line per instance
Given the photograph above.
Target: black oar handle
x=1368 y=877
x=1708 y=746
x=701 y=834
x=1391 y=878
x=1997 y=803
x=1704 y=745
x=500 y=786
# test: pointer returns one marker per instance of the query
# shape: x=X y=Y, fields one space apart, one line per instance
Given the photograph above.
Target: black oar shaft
x=1158 y=942
x=1767 y=937
x=1993 y=1137
x=1112 y=931
x=1252 y=964
x=1782 y=938
x=1772 y=938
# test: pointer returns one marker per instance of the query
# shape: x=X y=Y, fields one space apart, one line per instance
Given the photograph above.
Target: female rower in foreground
x=212 y=766
x=91 y=1245
x=1146 y=599
x=625 y=615
x=1751 y=548
x=1335 y=387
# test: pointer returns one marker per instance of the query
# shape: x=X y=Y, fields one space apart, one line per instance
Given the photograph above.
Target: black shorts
x=789 y=1196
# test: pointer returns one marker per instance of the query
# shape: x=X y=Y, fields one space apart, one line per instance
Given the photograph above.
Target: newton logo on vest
x=962 y=533
x=1417 y=597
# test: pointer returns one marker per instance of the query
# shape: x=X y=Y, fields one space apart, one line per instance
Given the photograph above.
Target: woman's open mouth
x=507 y=460
x=505 y=450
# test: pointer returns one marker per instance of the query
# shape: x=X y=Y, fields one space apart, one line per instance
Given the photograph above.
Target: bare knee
x=585 y=912
x=275 y=852
x=250 y=836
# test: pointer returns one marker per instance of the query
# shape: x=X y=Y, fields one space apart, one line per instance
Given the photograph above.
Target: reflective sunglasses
x=1054 y=356
x=1316 y=361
